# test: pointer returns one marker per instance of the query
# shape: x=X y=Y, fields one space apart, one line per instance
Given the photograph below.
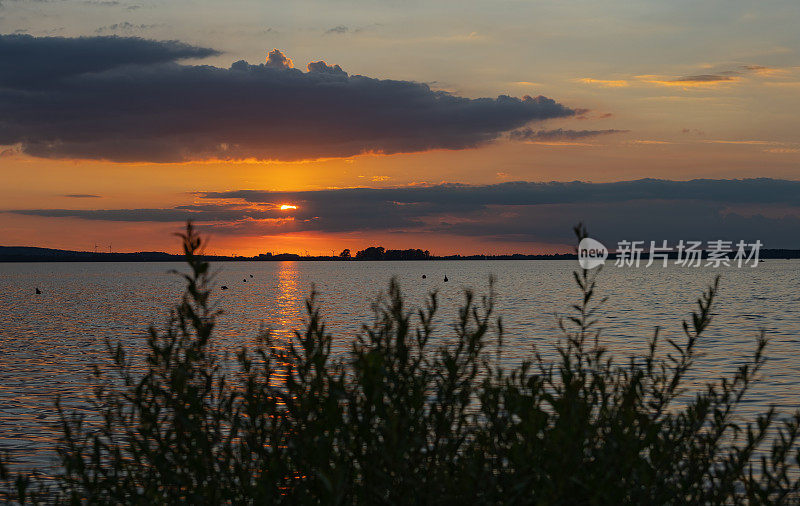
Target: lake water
x=48 y=342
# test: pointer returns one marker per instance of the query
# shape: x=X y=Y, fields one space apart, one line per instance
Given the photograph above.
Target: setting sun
x=287 y=206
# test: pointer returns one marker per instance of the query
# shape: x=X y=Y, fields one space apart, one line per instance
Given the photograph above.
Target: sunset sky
x=442 y=125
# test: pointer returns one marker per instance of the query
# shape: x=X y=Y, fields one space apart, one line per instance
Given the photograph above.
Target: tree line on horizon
x=379 y=253
x=33 y=254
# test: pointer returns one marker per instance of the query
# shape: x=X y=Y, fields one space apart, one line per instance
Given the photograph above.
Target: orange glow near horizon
x=32 y=183
x=321 y=243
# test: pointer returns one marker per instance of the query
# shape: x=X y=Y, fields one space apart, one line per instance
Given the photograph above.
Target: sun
x=287 y=206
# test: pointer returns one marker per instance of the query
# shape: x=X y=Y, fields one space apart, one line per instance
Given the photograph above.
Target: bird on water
x=445 y=278
x=38 y=291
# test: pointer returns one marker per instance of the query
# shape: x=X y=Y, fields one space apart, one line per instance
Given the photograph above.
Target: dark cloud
x=724 y=75
x=456 y=196
x=337 y=30
x=208 y=213
x=125 y=99
x=321 y=66
x=655 y=220
x=125 y=26
x=81 y=196
x=30 y=64
x=528 y=134
x=703 y=78
x=515 y=211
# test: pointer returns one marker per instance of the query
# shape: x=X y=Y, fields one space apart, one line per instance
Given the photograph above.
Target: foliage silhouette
x=378 y=253
x=406 y=418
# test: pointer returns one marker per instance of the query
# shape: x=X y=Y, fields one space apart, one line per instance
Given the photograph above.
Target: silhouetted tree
x=345 y=253
x=378 y=253
x=371 y=253
x=405 y=254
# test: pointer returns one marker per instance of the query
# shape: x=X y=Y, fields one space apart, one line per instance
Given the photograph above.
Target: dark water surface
x=49 y=341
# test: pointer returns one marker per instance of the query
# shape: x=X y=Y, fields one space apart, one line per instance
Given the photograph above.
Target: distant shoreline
x=12 y=254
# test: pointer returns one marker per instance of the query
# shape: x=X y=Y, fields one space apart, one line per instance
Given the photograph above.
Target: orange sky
x=693 y=91
x=34 y=183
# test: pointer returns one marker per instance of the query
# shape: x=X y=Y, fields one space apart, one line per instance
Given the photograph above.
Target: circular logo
x=591 y=253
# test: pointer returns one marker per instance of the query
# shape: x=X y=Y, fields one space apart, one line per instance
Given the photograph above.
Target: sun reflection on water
x=289 y=299
x=287 y=313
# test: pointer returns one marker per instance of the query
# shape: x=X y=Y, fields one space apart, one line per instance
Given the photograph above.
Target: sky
x=463 y=126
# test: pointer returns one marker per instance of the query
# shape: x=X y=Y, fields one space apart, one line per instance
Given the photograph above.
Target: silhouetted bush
x=371 y=253
x=378 y=253
x=402 y=420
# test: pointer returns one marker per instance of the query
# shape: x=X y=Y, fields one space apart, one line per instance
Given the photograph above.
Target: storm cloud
x=516 y=211
x=129 y=100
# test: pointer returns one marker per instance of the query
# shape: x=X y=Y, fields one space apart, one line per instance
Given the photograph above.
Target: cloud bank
x=516 y=211
x=129 y=100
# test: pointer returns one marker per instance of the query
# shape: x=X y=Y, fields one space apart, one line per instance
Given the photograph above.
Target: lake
x=49 y=342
